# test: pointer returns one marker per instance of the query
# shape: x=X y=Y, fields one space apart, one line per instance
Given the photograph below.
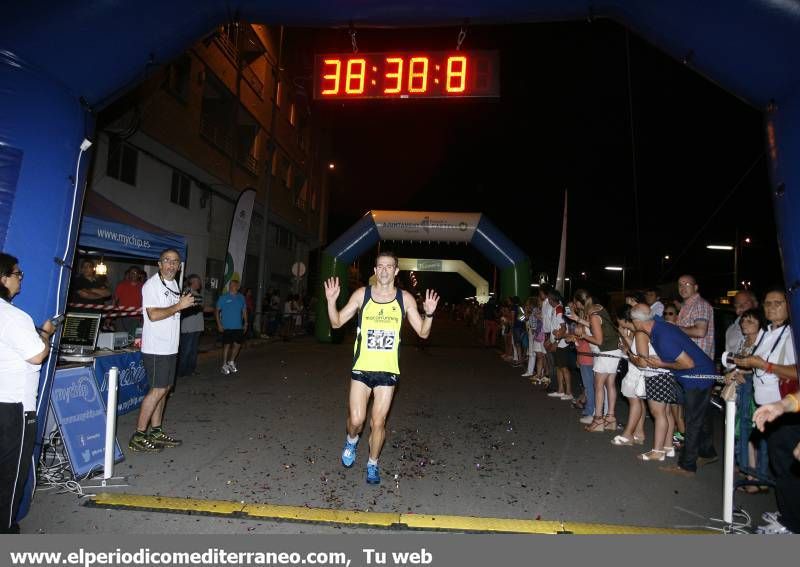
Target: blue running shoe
x=349 y=454
x=373 y=475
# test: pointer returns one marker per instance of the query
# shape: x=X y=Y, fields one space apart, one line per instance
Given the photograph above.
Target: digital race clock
x=436 y=74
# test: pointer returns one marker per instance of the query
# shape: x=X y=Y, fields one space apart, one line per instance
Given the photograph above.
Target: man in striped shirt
x=696 y=317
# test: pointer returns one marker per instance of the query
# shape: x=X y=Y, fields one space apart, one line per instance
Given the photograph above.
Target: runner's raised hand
x=431 y=301
x=332 y=289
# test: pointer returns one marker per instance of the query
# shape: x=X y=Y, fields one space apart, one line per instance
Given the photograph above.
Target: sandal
x=597 y=425
x=622 y=440
x=753 y=489
x=610 y=422
x=654 y=455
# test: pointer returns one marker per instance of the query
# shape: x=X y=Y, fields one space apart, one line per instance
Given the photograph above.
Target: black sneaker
x=143 y=444
x=159 y=438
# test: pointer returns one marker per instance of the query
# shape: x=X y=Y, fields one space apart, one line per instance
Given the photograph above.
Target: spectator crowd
x=660 y=356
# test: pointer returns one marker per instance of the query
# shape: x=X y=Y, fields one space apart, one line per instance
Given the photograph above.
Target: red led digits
x=337 y=72
x=406 y=75
x=418 y=78
x=456 y=74
x=396 y=75
x=356 y=69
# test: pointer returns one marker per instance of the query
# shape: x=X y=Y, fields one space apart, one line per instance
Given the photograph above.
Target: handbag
x=787 y=387
x=641 y=389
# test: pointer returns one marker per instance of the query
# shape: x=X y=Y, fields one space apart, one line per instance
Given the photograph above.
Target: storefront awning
x=107 y=227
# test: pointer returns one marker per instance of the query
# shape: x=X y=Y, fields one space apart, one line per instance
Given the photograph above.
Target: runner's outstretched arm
x=332 y=291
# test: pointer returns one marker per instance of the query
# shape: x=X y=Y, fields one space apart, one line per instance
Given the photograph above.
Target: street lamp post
x=735 y=250
x=618 y=269
x=266 y=179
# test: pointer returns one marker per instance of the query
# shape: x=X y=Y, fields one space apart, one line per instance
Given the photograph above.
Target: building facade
x=179 y=148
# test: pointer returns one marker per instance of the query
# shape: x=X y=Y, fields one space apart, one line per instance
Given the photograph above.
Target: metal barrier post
x=111 y=422
x=728 y=454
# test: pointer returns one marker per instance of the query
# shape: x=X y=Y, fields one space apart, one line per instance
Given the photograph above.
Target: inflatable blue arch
x=62 y=61
x=472 y=228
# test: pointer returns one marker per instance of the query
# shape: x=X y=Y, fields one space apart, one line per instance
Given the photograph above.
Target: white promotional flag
x=562 y=258
x=237 y=241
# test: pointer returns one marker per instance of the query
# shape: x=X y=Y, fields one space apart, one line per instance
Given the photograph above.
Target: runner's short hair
x=387 y=254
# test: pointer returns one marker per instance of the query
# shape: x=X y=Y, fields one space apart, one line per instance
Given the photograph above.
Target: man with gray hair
x=742 y=301
x=162 y=304
x=679 y=354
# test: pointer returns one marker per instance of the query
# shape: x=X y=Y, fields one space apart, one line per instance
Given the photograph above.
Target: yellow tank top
x=378 y=334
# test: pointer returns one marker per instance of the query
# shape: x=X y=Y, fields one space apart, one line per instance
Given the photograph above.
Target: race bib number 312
x=379 y=339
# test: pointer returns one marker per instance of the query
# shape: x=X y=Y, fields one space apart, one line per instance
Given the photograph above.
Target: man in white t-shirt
x=162 y=303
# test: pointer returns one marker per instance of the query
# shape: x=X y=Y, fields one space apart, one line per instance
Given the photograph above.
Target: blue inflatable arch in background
x=472 y=228
x=62 y=61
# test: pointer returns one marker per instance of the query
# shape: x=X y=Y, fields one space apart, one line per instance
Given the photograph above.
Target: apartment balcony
x=217 y=135
x=227 y=45
x=253 y=80
x=249 y=162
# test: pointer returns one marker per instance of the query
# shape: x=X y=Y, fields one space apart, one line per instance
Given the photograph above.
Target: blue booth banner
x=81 y=417
x=132 y=384
x=125 y=240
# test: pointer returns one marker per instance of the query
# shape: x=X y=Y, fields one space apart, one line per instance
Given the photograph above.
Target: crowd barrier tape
x=109 y=311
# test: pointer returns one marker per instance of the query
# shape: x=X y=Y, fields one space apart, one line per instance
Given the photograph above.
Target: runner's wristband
x=429 y=315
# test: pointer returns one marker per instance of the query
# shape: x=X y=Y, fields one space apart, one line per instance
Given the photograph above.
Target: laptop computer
x=79 y=336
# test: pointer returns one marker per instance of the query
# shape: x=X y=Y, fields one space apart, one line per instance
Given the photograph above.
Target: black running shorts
x=230 y=336
x=372 y=379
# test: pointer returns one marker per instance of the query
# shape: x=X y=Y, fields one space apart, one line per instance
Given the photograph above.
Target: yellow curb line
x=424 y=522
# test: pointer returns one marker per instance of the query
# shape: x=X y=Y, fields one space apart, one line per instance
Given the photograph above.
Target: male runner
x=380 y=311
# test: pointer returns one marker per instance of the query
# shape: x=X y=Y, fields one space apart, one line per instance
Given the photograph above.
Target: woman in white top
x=773 y=361
x=632 y=388
x=23 y=347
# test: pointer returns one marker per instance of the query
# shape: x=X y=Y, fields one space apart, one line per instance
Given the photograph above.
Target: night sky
x=563 y=121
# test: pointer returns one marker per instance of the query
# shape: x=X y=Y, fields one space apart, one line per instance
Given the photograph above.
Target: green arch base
x=516 y=280
x=330 y=268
